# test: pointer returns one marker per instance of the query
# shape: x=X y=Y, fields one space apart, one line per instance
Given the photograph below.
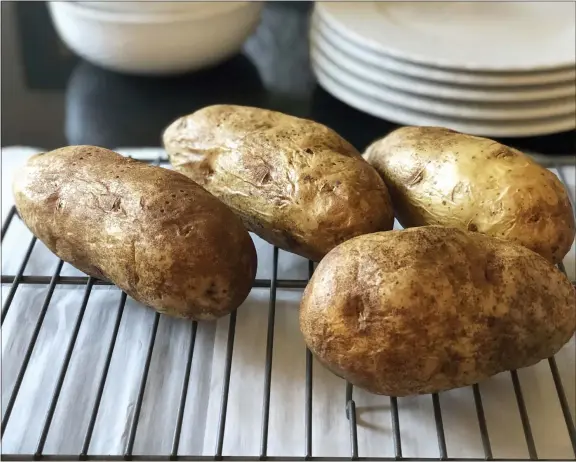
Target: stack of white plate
x=502 y=69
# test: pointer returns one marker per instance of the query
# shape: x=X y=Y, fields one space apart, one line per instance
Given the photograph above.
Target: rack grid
x=273 y=284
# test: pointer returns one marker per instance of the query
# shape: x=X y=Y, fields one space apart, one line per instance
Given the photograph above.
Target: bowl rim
x=147 y=18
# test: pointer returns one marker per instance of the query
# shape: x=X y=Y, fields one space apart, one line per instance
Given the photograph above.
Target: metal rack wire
x=273 y=284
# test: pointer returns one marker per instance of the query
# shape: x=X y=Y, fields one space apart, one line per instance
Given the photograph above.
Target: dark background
x=51 y=98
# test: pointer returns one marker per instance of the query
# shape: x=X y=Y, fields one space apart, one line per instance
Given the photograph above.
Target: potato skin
x=431 y=308
x=437 y=176
x=151 y=231
x=294 y=182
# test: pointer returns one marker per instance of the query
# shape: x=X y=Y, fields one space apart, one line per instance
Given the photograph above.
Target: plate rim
x=417 y=86
x=382 y=48
x=447 y=76
x=437 y=108
x=563 y=124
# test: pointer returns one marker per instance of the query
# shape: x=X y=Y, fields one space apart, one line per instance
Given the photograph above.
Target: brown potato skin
x=154 y=233
x=294 y=182
x=431 y=308
x=437 y=176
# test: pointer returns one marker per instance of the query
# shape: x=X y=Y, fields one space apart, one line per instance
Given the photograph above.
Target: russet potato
x=153 y=232
x=294 y=182
x=437 y=176
x=432 y=308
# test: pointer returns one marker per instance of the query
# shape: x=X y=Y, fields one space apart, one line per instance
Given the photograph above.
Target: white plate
x=401 y=115
x=344 y=56
x=352 y=76
x=490 y=36
x=449 y=76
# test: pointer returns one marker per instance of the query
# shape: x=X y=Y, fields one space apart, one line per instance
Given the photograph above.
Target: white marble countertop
x=330 y=435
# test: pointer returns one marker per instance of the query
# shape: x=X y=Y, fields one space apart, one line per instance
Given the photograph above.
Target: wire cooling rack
x=273 y=284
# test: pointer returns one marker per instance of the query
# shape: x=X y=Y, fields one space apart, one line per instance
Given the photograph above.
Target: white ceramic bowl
x=154 y=44
x=147 y=7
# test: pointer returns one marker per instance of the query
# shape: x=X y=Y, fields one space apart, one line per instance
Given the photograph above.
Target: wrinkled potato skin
x=294 y=182
x=429 y=309
x=154 y=233
x=438 y=176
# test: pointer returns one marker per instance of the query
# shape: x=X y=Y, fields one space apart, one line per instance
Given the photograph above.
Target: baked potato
x=294 y=182
x=153 y=232
x=432 y=308
x=437 y=176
